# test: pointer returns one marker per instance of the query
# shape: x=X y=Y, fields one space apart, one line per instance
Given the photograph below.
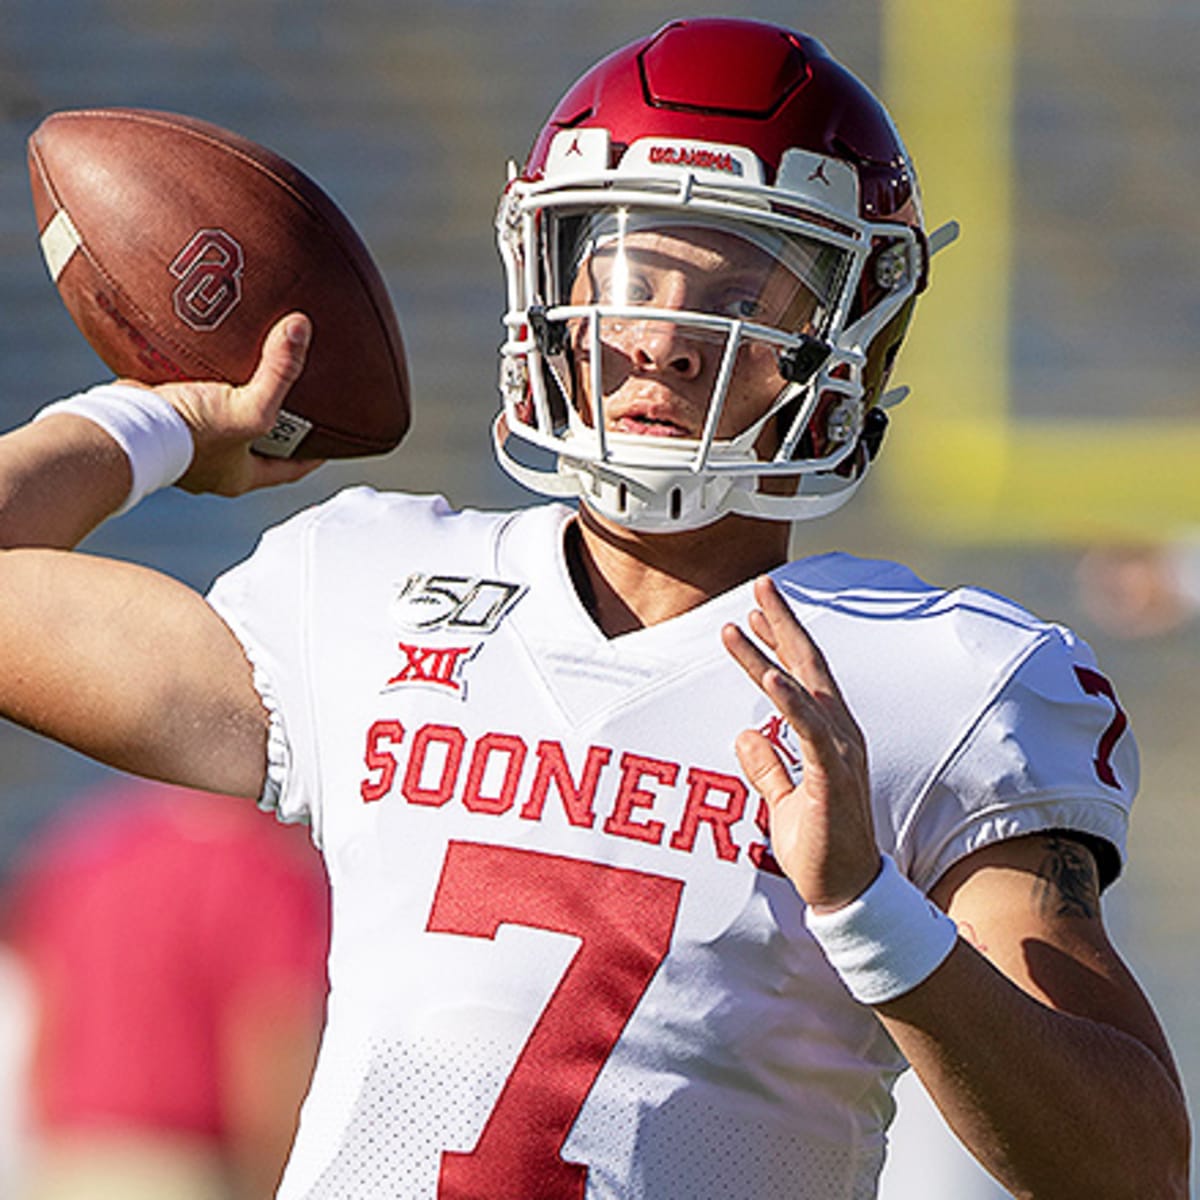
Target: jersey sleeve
x=1052 y=750
x=263 y=600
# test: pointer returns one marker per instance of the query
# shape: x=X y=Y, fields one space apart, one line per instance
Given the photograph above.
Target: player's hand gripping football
x=225 y=419
x=822 y=833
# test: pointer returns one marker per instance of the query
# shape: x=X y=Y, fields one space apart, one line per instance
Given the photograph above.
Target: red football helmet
x=742 y=151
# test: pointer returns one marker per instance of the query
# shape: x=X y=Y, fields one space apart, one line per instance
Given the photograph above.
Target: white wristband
x=154 y=437
x=888 y=940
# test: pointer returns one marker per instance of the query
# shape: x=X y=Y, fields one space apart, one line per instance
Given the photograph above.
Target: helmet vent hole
x=622 y=497
x=676 y=504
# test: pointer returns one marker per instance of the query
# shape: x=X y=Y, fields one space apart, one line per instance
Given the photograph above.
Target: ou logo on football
x=209 y=270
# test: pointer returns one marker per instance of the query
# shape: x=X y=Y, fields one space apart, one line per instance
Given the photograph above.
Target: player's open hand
x=225 y=420
x=822 y=833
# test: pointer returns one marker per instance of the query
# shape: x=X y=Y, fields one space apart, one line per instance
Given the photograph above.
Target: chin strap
x=546 y=482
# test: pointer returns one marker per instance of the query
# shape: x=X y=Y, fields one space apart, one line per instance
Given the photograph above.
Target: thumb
x=762 y=766
x=284 y=352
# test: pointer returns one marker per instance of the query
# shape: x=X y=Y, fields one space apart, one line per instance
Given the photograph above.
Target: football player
x=656 y=856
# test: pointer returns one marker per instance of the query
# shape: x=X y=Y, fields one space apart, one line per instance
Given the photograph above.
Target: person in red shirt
x=176 y=946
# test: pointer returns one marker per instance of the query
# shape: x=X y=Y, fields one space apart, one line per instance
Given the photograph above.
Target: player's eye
x=618 y=287
x=743 y=306
x=638 y=290
x=612 y=282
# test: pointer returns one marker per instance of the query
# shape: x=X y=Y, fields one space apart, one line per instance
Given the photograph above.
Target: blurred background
x=1050 y=449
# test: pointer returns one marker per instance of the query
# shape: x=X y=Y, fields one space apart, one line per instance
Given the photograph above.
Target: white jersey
x=564 y=962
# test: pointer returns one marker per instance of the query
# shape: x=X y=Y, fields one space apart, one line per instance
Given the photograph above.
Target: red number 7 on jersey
x=624 y=920
x=1096 y=684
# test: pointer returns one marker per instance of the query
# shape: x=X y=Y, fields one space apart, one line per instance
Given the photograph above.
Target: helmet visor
x=733 y=270
x=675 y=323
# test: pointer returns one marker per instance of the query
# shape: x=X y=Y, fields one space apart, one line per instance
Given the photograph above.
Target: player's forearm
x=1054 y=1105
x=59 y=479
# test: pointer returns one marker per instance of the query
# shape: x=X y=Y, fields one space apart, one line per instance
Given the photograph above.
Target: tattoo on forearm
x=1067 y=884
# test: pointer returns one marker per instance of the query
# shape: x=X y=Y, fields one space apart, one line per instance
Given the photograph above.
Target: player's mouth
x=648 y=427
x=650 y=420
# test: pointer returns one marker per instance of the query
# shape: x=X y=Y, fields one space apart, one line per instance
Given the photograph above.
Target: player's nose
x=666 y=347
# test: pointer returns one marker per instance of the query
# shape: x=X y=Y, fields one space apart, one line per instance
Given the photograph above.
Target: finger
x=787 y=693
x=283 y=356
x=826 y=733
x=269 y=472
x=746 y=653
x=762 y=629
x=243 y=471
x=762 y=766
x=790 y=640
x=788 y=636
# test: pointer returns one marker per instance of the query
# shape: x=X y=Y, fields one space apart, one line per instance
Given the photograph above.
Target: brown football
x=176 y=244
